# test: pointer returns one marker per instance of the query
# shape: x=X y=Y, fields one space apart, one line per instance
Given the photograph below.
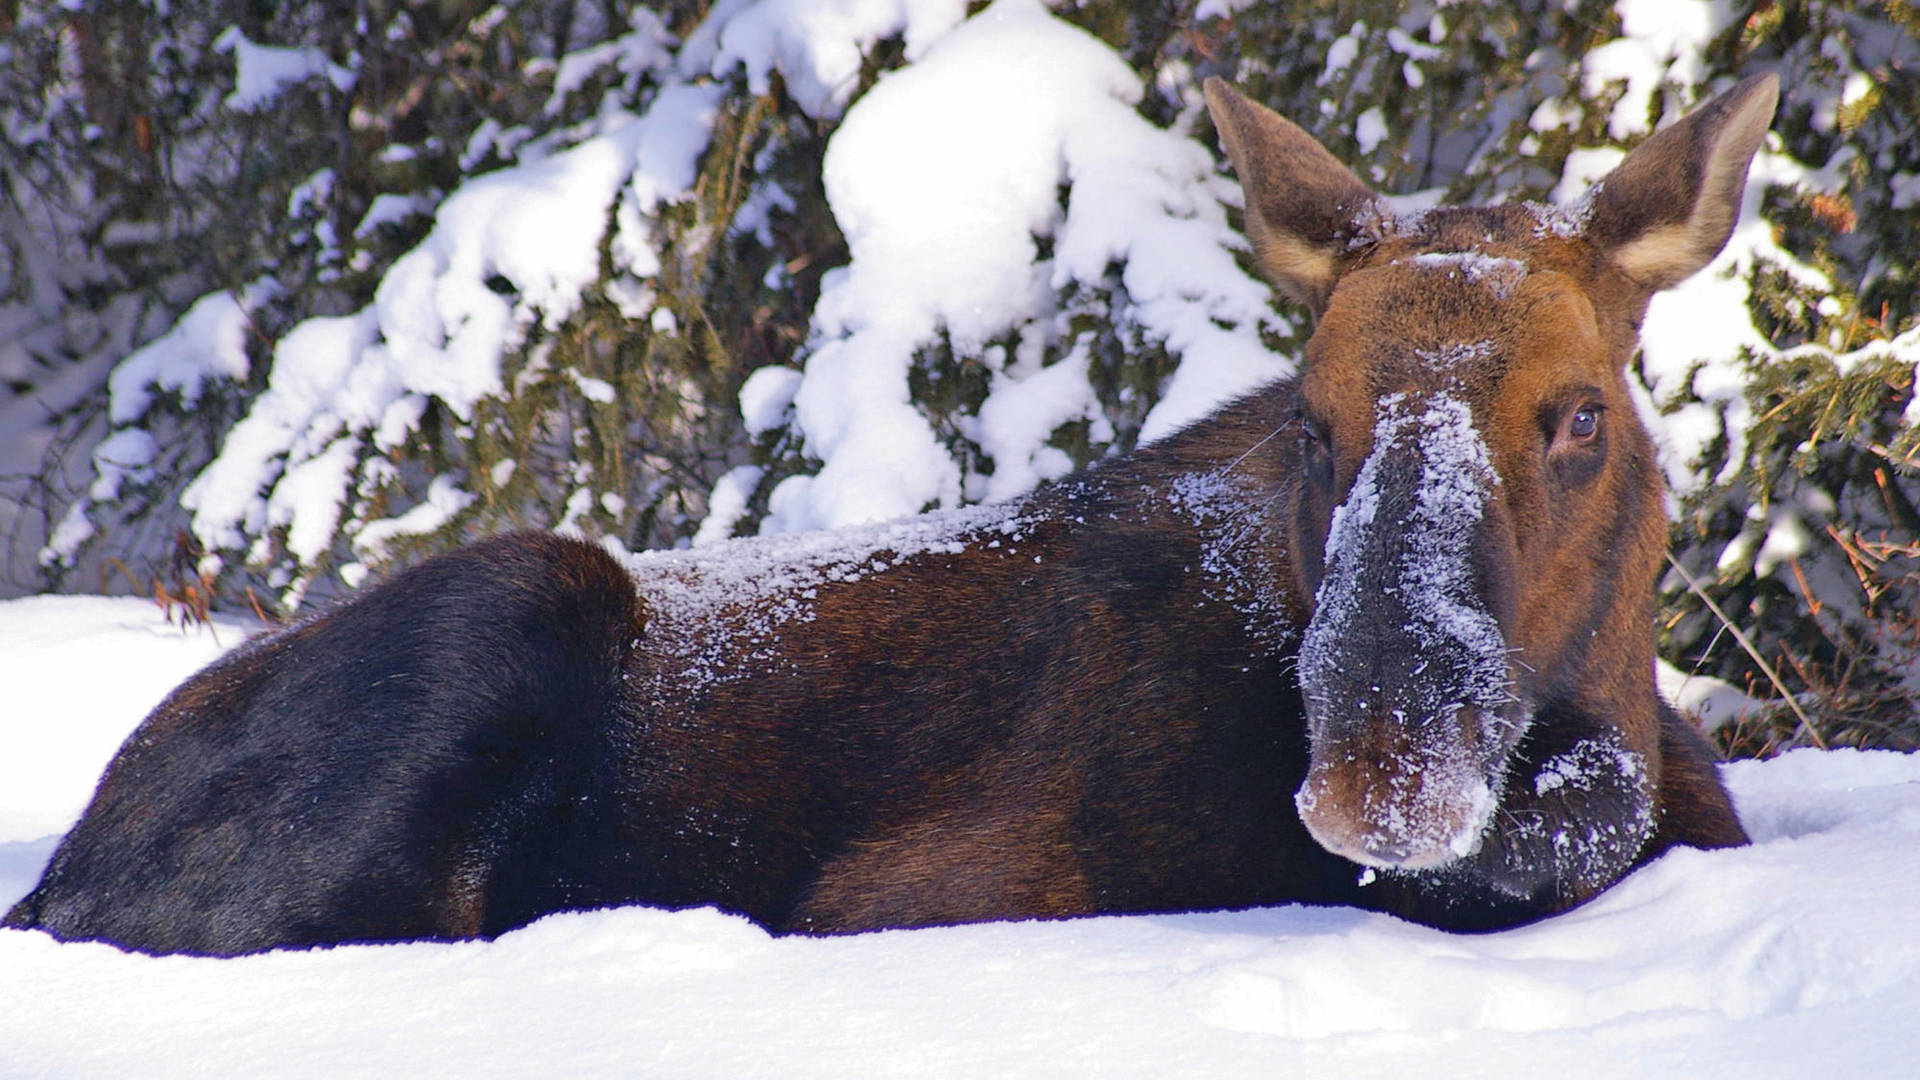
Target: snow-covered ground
x=1799 y=956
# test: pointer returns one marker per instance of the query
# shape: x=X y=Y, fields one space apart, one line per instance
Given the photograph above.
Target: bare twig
x=1739 y=635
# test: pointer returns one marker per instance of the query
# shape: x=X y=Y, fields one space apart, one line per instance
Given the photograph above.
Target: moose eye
x=1577 y=445
x=1584 y=424
x=1317 y=450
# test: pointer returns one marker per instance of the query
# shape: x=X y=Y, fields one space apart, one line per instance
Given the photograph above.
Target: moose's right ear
x=1303 y=206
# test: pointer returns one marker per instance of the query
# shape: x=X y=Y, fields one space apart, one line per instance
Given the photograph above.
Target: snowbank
x=1800 y=953
x=80 y=672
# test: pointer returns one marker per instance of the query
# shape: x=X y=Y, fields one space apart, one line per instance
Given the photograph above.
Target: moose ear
x=1668 y=208
x=1303 y=206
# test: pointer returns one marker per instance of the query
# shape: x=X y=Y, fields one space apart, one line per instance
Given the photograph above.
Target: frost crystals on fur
x=715 y=613
x=1599 y=769
x=1432 y=574
x=1236 y=533
x=1498 y=273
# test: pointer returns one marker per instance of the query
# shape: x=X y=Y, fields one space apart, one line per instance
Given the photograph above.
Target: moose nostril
x=1382 y=850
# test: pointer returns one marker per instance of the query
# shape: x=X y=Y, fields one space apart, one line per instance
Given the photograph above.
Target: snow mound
x=65 y=716
x=943 y=179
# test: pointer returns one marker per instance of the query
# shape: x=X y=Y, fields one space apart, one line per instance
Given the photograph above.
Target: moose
x=1379 y=635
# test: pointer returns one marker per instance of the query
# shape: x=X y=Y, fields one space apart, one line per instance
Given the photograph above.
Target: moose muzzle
x=1405 y=668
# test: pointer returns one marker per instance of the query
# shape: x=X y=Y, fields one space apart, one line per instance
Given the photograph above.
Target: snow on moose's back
x=716 y=610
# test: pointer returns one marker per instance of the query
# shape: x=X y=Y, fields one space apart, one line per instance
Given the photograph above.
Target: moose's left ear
x=1668 y=209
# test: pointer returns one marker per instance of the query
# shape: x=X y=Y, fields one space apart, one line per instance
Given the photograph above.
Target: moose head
x=1478 y=516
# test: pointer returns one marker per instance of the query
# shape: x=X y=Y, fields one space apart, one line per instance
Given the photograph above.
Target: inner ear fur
x=1302 y=205
x=1668 y=208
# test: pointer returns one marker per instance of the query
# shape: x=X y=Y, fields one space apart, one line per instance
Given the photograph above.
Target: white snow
x=1337 y=600
x=390 y=209
x=1019 y=415
x=308 y=498
x=121 y=456
x=1662 y=41
x=1797 y=956
x=716 y=609
x=1499 y=274
x=1220 y=9
x=209 y=342
x=120 y=656
x=1710 y=701
x=727 y=503
x=941 y=177
x=445 y=498
x=1436 y=577
x=509 y=249
x=766 y=396
x=1907 y=347
x=261 y=72
x=642 y=49
x=817 y=46
x=1369 y=129
x=1236 y=534
x=1341 y=54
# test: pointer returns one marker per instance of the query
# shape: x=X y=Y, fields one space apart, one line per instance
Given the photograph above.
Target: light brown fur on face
x=1523 y=352
x=1528 y=316
x=1519 y=342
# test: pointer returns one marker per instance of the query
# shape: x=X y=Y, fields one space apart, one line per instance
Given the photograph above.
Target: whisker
x=1264 y=441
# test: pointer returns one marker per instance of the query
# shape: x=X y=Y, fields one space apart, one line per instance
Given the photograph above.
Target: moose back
x=1381 y=635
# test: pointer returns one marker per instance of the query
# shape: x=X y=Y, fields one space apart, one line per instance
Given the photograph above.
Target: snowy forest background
x=291 y=293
